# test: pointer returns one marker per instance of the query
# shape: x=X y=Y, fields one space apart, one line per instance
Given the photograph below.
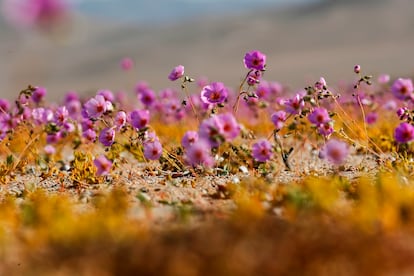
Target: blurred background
x=302 y=39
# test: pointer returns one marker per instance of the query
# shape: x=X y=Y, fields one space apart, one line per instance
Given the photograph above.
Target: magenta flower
x=176 y=73
x=199 y=153
x=30 y=13
x=294 y=105
x=263 y=90
x=152 y=150
x=214 y=93
x=38 y=94
x=371 y=118
x=120 y=119
x=402 y=113
x=255 y=60
x=71 y=96
x=404 y=133
x=254 y=77
x=402 y=89
x=335 y=151
x=262 y=150
x=96 y=107
x=107 y=94
x=53 y=138
x=326 y=129
x=357 y=69
x=228 y=126
x=319 y=116
x=383 y=78
x=278 y=119
x=209 y=130
x=107 y=136
x=89 y=135
x=319 y=85
x=147 y=97
x=189 y=138
x=140 y=118
x=127 y=64
x=103 y=165
x=4 y=105
x=61 y=115
x=49 y=150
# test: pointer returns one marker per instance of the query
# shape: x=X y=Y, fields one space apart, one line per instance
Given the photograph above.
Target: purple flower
x=127 y=64
x=278 y=119
x=96 y=107
x=103 y=165
x=30 y=13
x=404 y=133
x=107 y=94
x=176 y=73
x=107 y=136
x=120 y=119
x=4 y=105
x=326 y=129
x=402 y=113
x=402 y=89
x=335 y=151
x=53 y=137
x=255 y=60
x=49 y=150
x=214 y=93
x=89 y=135
x=147 y=97
x=254 y=77
x=189 y=138
x=140 y=118
x=319 y=85
x=209 y=130
x=38 y=94
x=371 y=118
x=263 y=90
x=74 y=108
x=152 y=150
x=61 y=115
x=71 y=96
x=199 y=154
x=228 y=126
x=319 y=116
x=262 y=150
x=294 y=105
x=383 y=78
x=357 y=69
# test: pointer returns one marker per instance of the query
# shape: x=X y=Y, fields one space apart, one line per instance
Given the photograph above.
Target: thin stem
x=236 y=104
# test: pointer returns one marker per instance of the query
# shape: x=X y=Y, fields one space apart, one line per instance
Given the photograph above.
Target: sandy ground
x=302 y=44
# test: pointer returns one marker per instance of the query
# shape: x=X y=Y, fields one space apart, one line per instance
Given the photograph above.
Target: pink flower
x=404 y=133
x=189 y=138
x=215 y=93
x=30 y=13
x=262 y=150
x=228 y=126
x=357 y=69
x=103 y=165
x=61 y=115
x=89 y=135
x=4 y=105
x=319 y=85
x=176 y=73
x=402 y=89
x=49 y=150
x=107 y=94
x=371 y=118
x=147 y=97
x=127 y=64
x=107 y=136
x=39 y=94
x=383 y=78
x=120 y=119
x=140 y=118
x=326 y=129
x=255 y=60
x=209 y=130
x=152 y=150
x=278 y=119
x=335 y=151
x=294 y=105
x=319 y=116
x=199 y=154
x=96 y=107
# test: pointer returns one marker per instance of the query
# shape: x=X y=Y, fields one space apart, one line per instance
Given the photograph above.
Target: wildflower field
x=203 y=178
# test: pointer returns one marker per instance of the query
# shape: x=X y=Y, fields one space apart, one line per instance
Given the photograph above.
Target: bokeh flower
x=199 y=154
x=103 y=165
x=96 y=107
x=140 y=118
x=278 y=119
x=126 y=63
x=262 y=150
x=402 y=89
x=404 y=133
x=189 y=138
x=319 y=116
x=152 y=150
x=107 y=136
x=335 y=151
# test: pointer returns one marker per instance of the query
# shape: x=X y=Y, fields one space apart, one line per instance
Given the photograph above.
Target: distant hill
x=302 y=44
